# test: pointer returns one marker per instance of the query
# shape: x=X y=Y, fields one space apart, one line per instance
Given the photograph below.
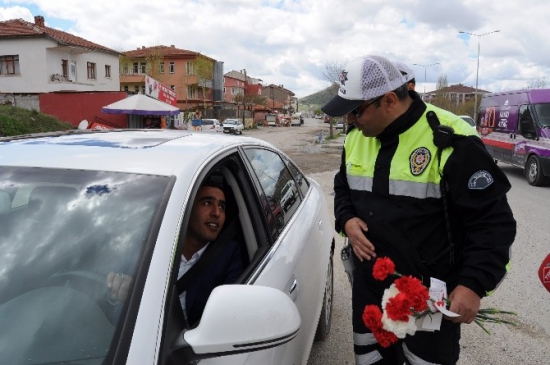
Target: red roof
x=165 y=51
x=19 y=28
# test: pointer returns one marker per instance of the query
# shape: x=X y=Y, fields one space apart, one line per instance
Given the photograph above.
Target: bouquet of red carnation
x=404 y=302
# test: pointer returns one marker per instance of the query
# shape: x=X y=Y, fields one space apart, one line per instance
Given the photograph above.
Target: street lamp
x=425 y=67
x=477 y=71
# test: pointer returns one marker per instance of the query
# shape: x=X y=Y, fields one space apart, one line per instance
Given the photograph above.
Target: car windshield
x=543 y=114
x=470 y=120
x=61 y=233
x=230 y=121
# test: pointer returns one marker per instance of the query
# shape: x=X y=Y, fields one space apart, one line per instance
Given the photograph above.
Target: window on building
x=64 y=68
x=125 y=70
x=161 y=67
x=172 y=68
x=136 y=89
x=191 y=92
x=189 y=69
x=173 y=87
x=143 y=67
x=9 y=65
x=136 y=68
x=126 y=88
x=91 y=70
x=107 y=71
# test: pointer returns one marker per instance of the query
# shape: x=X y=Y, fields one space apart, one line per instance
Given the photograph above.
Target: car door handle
x=292 y=291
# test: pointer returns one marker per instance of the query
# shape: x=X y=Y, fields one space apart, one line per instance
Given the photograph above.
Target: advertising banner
x=156 y=90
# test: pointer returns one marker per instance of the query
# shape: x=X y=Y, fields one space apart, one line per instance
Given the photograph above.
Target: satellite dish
x=83 y=125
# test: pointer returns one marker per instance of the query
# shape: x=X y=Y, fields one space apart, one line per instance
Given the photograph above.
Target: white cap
x=405 y=70
x=364 y=78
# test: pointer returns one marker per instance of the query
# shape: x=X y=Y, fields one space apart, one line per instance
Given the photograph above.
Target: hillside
x=17 y=121
x=320 y=98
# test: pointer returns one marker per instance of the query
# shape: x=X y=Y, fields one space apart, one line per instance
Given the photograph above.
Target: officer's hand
x=362 y=247
x=118 y=285
x=465 y=302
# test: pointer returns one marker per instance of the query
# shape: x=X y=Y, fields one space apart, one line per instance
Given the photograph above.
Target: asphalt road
x=521 y=291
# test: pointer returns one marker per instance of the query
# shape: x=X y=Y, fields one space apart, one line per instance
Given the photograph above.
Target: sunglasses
x=358 y=111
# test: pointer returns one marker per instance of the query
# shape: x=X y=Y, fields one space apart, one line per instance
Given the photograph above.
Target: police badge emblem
x=419 y=160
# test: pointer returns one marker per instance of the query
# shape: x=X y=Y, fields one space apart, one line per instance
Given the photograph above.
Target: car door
x=297 y=260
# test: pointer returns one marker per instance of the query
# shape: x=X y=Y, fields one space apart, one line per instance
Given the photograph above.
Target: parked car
x=211 y=125
x=469 y=120
x=234 y=126
x=78 y=205
x=288 y=195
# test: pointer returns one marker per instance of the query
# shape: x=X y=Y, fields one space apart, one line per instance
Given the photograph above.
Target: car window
x=301 y=181
x=278 y=187
x=61 y=233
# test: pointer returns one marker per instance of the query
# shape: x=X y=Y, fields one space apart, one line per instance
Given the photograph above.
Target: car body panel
x=295 y=262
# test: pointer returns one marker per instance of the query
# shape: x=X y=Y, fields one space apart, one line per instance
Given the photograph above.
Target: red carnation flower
x=372 y=317
x=385 y=338
x=414 y=290
x=383 y=267
x=398 y=308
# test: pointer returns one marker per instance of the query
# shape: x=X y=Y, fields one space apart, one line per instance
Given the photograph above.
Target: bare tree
x=442 y=82
x=154 y=58
x=204 y=69
x=537 y=83
x=333 y=71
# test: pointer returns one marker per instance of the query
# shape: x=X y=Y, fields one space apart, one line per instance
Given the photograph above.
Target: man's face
x=369 y=117
x=208 y=215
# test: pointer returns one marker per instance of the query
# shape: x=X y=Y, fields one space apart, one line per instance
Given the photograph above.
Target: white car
x=211 y=125
x=234 y=126
x=77 y=206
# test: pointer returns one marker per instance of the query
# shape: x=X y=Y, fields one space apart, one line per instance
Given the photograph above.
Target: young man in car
x=208 y=216
x=436 y=207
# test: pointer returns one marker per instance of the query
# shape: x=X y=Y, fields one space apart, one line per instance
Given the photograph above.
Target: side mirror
x=238 y=319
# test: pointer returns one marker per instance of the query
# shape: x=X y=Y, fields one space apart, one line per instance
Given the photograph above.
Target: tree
x=537 y=83
x=204 y=69
x=153 y=59
x=333 y=71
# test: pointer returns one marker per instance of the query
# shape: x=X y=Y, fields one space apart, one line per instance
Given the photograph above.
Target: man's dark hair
x=402 y=92
x=214 y=180
x=412 y=81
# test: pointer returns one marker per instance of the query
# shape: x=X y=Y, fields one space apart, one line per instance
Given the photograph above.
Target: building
x=58 y=73
x=197 y=79
x=278 y=97
x=37 y=59
x=458 y=94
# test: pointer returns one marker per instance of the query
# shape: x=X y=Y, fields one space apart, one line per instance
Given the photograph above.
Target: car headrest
x=5 y=202
x=51 y=198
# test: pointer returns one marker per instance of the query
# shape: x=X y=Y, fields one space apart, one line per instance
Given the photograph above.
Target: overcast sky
x=289 y=42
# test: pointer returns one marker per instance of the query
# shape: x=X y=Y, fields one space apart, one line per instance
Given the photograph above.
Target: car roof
x=149 y=151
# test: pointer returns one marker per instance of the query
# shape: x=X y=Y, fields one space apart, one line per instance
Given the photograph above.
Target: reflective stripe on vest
x=414 y=166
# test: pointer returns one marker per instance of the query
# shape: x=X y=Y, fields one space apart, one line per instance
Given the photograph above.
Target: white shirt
x=184 y=267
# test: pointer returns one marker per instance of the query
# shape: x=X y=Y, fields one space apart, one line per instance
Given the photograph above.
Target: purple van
x=515 y=127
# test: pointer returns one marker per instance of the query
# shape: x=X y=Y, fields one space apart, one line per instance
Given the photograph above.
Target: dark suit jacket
x=224 y=269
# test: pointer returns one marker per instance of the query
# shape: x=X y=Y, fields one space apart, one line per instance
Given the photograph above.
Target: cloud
x=289 y=42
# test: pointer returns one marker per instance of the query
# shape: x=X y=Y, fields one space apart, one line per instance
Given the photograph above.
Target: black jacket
x=412 y=231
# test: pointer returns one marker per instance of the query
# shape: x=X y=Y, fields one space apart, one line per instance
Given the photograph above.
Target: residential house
x=278 y=95
x=197 y=79
x=35 y=58
x=456 y=93
x=58 y=73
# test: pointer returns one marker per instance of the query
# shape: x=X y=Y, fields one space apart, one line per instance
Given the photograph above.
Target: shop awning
x=142 y=105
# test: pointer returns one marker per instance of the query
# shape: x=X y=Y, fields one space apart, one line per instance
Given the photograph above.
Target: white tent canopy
x=142 y=105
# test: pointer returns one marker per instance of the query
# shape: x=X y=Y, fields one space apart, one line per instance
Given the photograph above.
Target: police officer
x=416 y=185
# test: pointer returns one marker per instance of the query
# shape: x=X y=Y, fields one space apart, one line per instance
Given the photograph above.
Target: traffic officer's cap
x=364 y=78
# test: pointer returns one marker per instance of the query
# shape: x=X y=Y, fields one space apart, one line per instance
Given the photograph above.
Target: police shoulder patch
x=419 y=160
x=480 y=180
